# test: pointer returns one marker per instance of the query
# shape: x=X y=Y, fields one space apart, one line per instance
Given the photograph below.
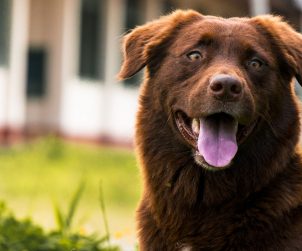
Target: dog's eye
x=194 y=56
x=255 y=63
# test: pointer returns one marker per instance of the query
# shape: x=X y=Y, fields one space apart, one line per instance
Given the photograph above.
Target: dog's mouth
x=214 y=138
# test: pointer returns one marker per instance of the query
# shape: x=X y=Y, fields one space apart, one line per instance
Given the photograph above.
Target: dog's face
x=217 y=78
x=215 y=71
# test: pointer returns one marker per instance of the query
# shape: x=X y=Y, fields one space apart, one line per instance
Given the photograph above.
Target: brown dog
x=217 y=132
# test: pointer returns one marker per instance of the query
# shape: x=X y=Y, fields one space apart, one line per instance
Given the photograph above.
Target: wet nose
x=225 y=87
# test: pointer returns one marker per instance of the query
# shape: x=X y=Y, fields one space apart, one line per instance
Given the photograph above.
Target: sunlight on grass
x=34 y=176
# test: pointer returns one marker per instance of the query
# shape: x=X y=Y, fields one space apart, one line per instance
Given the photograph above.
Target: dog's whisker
x=169 y=118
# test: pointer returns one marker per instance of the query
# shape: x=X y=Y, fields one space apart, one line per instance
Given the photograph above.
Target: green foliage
x=103 y=209
x=23 y=235
x=64 y=222
x=33 y=174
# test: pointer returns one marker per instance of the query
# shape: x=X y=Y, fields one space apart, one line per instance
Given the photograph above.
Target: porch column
x=259 y=7
x=16 y=92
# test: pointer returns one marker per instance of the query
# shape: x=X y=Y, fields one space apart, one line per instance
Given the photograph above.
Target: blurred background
x=64 y=118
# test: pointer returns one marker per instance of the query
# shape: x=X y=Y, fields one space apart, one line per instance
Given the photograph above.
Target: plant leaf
x=59 y=217
x=73 y=205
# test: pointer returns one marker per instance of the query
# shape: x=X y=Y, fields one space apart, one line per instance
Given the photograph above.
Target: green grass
x=35 y=176
x=23 y=235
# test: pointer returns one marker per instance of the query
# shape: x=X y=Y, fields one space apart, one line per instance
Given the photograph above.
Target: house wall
x=81 y=100
x=94 y=109
x=45 y=22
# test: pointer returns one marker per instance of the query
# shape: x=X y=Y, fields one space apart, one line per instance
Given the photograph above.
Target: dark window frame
x=135 y=15
x=5 y=26
x=92 y=39
x=36 y=81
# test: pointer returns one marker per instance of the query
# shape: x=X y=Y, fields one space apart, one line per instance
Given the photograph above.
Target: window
x=4 y=31
x=168 y=6
x=134 y=14
x=287 y=9
x=134 y=17
x=36 y=70
x=91 y=61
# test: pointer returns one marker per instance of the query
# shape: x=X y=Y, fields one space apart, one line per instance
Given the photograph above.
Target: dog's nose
x=225 y=87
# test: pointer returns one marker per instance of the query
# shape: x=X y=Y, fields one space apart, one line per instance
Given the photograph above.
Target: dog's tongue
x=217 y=139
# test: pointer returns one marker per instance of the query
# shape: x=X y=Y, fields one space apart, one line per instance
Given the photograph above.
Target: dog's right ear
x=139 y=43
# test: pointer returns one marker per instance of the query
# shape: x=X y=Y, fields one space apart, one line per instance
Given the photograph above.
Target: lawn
x=36 y=176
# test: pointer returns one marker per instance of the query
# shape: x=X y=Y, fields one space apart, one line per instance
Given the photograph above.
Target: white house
x=59 y=60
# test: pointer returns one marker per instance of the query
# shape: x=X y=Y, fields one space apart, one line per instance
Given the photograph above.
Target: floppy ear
x=286 y=39
x=140 y=42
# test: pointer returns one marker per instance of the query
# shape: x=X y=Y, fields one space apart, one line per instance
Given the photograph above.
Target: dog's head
x=219 y=79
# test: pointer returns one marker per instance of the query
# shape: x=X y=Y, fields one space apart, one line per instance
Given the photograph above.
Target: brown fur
x=255 y=204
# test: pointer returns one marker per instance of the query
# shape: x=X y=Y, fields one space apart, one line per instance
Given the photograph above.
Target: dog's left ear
x=285 y=38
x=139 y=44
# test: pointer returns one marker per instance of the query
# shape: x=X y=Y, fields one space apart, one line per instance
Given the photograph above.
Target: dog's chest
x=223 y=231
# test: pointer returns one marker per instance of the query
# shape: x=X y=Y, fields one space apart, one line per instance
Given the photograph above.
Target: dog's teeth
x=195 y=126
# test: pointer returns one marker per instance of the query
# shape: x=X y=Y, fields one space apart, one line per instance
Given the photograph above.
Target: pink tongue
x=217 y=140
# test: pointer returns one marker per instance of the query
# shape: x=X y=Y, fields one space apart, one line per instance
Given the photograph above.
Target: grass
x=34 y=177
x=22 y=235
